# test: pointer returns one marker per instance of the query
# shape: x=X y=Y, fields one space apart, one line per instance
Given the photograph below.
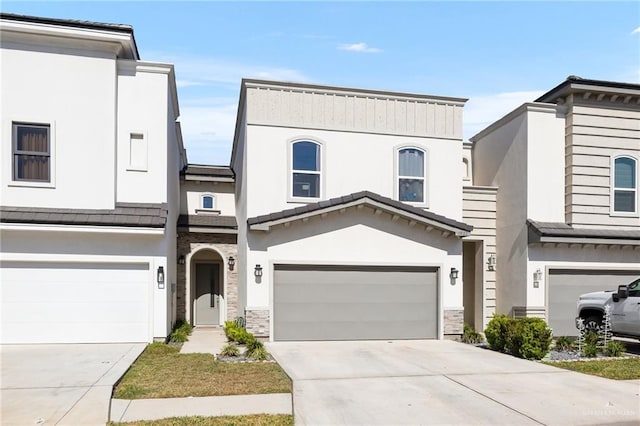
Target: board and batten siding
x=354 y=111
x=479 y=210
x=596 y=133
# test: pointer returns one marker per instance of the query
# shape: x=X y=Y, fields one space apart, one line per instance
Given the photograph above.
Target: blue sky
x=497 y=54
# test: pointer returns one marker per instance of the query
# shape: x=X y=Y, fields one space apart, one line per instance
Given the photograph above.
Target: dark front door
x=207 y=301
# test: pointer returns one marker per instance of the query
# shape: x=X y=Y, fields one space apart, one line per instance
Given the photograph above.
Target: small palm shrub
x=254 y=345
x=470 y=335
x=590 y=350
x=230 y=351
x=614 y=348
x=181 y=332
x=564 y=343
x=259 y=354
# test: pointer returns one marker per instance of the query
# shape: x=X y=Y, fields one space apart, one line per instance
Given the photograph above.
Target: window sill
x=624 y=214
x=302 y=200
x=27 y=184
x=208 y=211
x=418 y=205
x=134 y=169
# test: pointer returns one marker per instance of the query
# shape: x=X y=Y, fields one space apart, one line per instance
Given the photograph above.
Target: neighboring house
x=568 y=216
x=207 y=239
x=350 y=213
x=91 y=155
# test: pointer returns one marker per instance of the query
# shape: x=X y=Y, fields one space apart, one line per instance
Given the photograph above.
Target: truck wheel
x=592 y=324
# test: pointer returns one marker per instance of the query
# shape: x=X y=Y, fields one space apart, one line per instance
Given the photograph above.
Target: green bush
x=614 y=348
x=564 y=343
x=243 y=336
x=497 y=331
x=470 y=335
x=259 y=354
x=253 y=346
x=230 y=350
x=179 y=336
x=529 y=338
x=591 y=339
x=590 y=350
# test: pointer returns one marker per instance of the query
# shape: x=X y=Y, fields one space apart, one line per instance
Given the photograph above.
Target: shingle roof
x=548 y=231
x=125 y=214
x=209 y=171
x=335 y=202
x=565 y=86
x=208 y=221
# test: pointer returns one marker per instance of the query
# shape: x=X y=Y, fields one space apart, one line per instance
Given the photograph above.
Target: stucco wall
x=191 y=196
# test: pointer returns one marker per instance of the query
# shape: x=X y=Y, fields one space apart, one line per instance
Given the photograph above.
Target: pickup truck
x=625 y=310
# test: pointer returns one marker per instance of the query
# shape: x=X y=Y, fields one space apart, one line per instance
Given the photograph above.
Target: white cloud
x=207 y=131
x=636 y=31
x=359 y=47
x=481 y=111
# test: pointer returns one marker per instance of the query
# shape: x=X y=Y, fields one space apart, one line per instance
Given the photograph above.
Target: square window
x=31 y=152
x=306 y=185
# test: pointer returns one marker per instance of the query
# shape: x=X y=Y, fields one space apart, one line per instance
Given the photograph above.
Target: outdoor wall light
x=491 y=262
x=181 y=259
x=258 y=271
x=537 y=277
x=231 y=262
x=453 y=275
x=161 y=277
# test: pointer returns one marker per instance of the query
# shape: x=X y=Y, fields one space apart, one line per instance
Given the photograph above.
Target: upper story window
x=625 y=185
x=31 y=152
x=208 y=202
x=412 y=181
x=305 y=169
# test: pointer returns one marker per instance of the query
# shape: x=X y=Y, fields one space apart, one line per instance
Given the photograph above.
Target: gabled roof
x=559 y=232
x=207 y=172
x=394 y=207
x=125 y=214
x=578 y=84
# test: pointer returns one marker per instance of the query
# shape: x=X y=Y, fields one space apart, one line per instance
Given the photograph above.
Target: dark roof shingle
x=539 y=231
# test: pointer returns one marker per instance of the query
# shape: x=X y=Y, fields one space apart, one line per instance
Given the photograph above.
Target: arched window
x=208 y=202
x=305 y=169
x=625 y=185
x=412 y=166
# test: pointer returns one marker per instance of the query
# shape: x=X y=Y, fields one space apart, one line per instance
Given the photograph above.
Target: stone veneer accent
x=257 y=322
x=453 y=321
x=189 y=242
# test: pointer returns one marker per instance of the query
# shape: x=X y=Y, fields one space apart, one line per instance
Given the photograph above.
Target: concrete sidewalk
x=123 y=410
x=205 y=340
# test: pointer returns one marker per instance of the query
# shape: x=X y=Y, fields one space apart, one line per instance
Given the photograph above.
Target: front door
x=207 y=300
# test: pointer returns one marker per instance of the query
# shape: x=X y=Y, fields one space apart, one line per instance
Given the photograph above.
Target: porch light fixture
x=257 y=271
x=453 y=275
x=181 y=259
x=491 y=262
x=160 y=277
x=231 y=262
x=537 y=277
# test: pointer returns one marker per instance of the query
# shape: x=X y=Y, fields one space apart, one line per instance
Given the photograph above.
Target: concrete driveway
x=61 y=384
x=443 y=382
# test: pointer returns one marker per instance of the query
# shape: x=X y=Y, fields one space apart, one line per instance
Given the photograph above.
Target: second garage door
x=566 y=286
x=355 y=303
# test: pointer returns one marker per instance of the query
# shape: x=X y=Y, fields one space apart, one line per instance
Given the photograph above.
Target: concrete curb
x=125 y=410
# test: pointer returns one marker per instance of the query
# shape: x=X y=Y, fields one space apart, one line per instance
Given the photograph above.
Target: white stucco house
x=568 y=216
x=91 y=155
x=344 y=213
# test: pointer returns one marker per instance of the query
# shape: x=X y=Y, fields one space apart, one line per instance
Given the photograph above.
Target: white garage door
x=566 y=286
x=355 y=303
x=74 y=302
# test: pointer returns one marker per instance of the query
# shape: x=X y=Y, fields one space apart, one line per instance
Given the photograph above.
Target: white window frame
x=143 y=166
x=613 y=211
x=201 y=208
x=9 y=152
x=291 y=171
x=396 y=182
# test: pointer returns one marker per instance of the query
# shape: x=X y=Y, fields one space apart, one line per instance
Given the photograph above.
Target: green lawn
x=618 y=369
x=162 y=372
x=251 y=420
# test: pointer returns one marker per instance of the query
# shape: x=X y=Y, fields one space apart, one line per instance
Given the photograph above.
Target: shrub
x=179 y=336
x=529 y=338
x=231 y=330
x=239 y=322
x=564 y=343
x=590 y=350
x=230 y=350
x=243 y=336
x=591 y=339
x=253 y=346
x=470 y=335
x=259 y=354
x=496 y=332
x=614 y=348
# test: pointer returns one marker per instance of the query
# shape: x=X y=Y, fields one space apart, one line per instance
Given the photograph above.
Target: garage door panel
x=339 y=303
x=75 y=302
x=566 y=286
